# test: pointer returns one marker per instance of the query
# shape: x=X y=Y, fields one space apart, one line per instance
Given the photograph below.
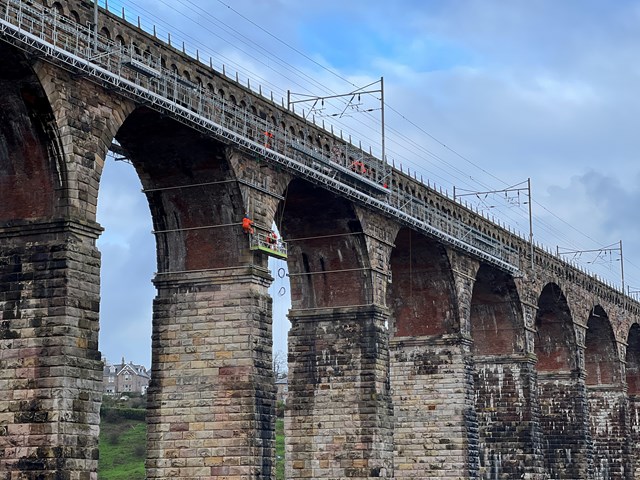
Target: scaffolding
x=57 y=39
x=268 y=244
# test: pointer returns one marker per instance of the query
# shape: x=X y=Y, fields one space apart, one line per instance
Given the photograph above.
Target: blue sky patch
x=349 y=48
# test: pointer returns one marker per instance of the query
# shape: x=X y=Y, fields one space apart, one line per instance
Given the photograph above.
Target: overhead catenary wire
x=454 y=172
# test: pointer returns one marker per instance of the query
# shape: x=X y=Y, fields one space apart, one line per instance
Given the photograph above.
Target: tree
x=280 y=367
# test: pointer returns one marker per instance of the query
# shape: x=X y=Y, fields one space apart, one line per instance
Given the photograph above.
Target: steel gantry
x=346 y=170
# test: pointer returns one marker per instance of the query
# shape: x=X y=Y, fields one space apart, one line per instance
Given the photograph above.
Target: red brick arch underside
x=555 y=339
x=30 y=182
x=496 y=319
x=328 y=259
x=422 y=294
x=633 y=361
x=195 y=203
x=601 y=354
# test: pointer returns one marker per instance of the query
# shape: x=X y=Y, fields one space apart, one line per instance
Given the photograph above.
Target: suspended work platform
x=272 y=246
x=349 y=172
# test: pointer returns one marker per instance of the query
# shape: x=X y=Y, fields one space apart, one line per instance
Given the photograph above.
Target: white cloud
x=512 y=90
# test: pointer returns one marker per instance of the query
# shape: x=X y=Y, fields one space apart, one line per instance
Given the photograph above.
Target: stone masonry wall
x=50 y=380
x=508 y=420
x=339 y=413
x=211 y=410
x=564 y=425
x=434 y=424
x=608 y=414
x=634 y=433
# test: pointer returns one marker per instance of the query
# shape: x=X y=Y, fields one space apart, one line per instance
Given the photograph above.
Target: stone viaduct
x=427 y=342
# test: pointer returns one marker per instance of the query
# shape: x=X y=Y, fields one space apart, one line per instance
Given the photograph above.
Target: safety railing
x=344 y=168
x=268 y=243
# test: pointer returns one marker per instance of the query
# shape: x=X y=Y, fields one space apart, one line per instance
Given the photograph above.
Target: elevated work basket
x=275 y=248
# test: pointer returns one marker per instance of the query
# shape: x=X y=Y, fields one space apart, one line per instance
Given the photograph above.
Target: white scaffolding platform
x=43 y=32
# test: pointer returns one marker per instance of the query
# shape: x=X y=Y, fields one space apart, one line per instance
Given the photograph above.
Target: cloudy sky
x=479 y=94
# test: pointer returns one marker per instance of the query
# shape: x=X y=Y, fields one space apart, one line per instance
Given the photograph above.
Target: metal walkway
x=57 y=39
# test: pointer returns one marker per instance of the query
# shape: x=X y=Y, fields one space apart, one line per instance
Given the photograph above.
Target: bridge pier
x=508 y=418
x=51 y=373
x=608 y=414
x=606 y=398
x=211 y=407
x=564 y=423
x=435 y=427
x=339 y=415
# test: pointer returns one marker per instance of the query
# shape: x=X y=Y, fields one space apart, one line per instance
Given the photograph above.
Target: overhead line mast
x=352 y=94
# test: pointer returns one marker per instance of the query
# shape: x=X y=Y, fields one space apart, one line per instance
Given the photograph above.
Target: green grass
x=122 y=449
x=279 y=449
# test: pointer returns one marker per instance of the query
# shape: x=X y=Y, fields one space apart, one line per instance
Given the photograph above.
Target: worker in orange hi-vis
x=272 y=240
x=268 y=139
x=358 y=167
x=247 y=224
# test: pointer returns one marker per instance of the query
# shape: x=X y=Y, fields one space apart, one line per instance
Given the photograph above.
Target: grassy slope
x=279 y=449
x=122 y=450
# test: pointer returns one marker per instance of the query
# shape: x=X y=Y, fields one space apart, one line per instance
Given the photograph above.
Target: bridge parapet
x=453 y=295
x=545 y=264
x=274 y=131
x=338 y=165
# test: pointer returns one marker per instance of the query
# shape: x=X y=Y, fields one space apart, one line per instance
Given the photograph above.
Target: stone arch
x=497 y=327
x=560 y=393
x=104 y=31
x=32 y=169
x=57 y=6
x=327 y=249
x=337 y=354
x=422 y=295
x=607 y=401
x=52 y=147
x=204 y=263
x=427 y=366
x=602 y=365
x=75 y=16
x=502 y=376
x=167 y=154
x=555 y=345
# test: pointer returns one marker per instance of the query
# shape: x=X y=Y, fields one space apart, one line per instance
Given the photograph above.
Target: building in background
x=125 y=378
x=282 y=386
